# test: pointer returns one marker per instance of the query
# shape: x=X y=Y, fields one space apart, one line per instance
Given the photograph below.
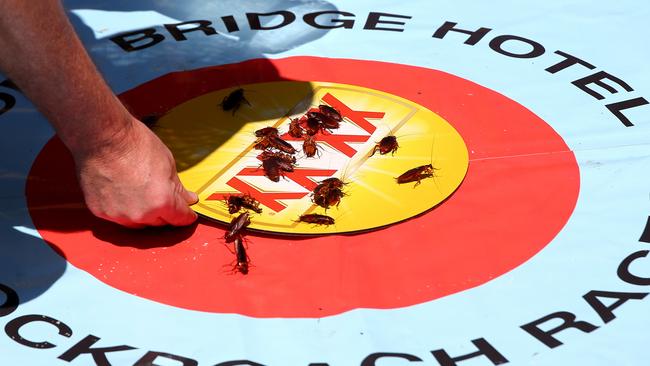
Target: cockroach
x=309 y=147
x=330 y=124
x=236 y=226
x=285 y=157
x=416 y=174
x=242 y=260
x=332 y=197
x=324 y=120
x=330 y=112
x=316 y=115
x=295 y=130
x=386 y=145
x=320 y=191
x=284 y=161
x=284 y=165
x=262 y=143
x=281 y=145
x=313 y=126
x=234 y=100
x=251 y=203
x=333 y=183
x=236 y=202
x=266 y=131
x=272 y=169
x=328 y=192
x=316 y=219
x=274 y=141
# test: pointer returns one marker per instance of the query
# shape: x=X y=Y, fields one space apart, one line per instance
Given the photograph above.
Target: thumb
x=189 y=196
x=179 y=214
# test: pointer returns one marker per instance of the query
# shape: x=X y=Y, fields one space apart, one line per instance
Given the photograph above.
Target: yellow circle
x=215 y=156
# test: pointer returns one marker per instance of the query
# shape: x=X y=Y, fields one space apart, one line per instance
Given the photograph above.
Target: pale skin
x=126 y=173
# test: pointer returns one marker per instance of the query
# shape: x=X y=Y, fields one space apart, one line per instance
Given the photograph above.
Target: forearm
x=41 y=53
x=127 y=175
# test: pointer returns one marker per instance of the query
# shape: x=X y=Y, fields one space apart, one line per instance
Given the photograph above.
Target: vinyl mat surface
x=525 y=242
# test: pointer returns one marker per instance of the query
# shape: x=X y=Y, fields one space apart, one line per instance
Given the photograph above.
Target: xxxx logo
x=337 y=144
x=235 y=167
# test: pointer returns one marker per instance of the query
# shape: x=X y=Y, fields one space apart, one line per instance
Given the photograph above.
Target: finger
x=189 y=197
x=180 y=214
x=158 y=221
x=127 y=223
x=139 y=223
x=120 y=220
x=153 y=218
x=130 y=225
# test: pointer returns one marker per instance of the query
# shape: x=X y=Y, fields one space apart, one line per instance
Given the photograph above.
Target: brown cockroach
x=266 y=131
x=309 y=147
x=236 y=202
x=273 y=141
x=262 y=143
x=330 y=124
x=242 y=260
x=316 y=219
x=281 y=145
x=295 y=130
x=330 y=112
x=332 y=197
x=313 y=126
x=250 y=203
x=234 y=100
x=284 y=161
x=332 y=183
x=420 y=172
x=272 y=169
x=324 y=120
x=236 y=226
x=328 y=192
x=284 y=165
x=416 y=174
x=284 y=157
x=386 y=145
x=275 y=166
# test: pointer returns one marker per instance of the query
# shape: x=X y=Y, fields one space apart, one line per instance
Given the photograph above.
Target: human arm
x=126 y=173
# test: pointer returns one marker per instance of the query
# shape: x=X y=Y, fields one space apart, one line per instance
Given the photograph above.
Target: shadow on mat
x=94 y=18
x=187 y=66
x=54 y=199
x=27 y=265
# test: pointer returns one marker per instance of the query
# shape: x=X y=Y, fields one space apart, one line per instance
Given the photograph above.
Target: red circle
x=521 y=188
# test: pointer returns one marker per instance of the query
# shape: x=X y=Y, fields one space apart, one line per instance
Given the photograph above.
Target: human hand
x=132 y=180
x=126 y=173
